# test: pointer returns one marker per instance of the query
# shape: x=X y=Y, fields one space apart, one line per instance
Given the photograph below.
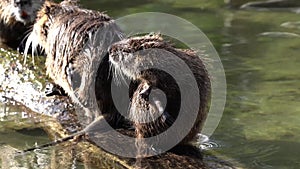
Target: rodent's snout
x=24 y=14
x=115 y=54
x=115 y=57
x=28 y=16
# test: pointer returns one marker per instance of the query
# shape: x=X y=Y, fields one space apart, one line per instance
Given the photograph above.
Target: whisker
x=110 y=70
x=29 y=43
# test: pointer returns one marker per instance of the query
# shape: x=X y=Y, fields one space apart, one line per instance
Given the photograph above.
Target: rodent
x=16 y=18
x=145 y=82
x=63 y=30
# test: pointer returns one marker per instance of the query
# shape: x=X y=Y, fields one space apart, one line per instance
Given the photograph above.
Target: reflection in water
x=9 y=112
x=289 y=5
x=54 y=158
x=280 y=35
x=292 y=25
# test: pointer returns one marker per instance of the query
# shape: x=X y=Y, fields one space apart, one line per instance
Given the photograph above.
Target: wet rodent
x=16 y=18
x=129 y=58
x=66 y=33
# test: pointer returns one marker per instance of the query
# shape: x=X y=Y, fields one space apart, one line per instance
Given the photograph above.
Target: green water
x=261 y=123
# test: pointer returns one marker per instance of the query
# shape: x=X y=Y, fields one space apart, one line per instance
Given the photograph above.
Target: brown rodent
x=66 y=33
x=154 y=115
x=16 y=17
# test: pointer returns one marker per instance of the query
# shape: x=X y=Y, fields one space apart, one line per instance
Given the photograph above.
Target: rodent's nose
x=24 y=14
x=116 y=57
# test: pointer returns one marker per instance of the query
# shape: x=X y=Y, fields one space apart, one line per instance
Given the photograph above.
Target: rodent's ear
x=47 y=10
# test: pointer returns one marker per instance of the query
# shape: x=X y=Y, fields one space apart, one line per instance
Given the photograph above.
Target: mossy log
x=56 y=115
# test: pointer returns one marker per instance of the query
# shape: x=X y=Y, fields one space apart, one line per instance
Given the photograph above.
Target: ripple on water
x=204 y=143
x=280 y=35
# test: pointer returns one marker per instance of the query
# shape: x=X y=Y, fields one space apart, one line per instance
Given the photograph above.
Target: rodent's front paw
x=53 y=89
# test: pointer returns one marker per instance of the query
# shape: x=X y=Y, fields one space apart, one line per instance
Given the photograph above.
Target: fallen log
x=56 y=115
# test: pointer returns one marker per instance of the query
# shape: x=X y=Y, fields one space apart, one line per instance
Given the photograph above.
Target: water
x=260 y=52
x=260 y=125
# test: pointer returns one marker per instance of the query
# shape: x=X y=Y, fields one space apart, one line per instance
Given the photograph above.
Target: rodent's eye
x=16 y=4
x=45 y=28
x=45 y=32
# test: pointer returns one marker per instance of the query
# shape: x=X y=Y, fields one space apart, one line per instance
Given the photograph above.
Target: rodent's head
x=64 y=25
x=44 y=19
x=120 y=50
x=25 y=10
x=43 y=22
x=127 y=55
x=38 y=35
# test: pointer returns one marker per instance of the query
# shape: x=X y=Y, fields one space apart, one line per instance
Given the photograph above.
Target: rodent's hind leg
x=52 y=89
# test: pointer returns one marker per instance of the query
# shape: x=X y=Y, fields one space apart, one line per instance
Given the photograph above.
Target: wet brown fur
x=12 y=31
x=129 y=65
x=63 y=31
